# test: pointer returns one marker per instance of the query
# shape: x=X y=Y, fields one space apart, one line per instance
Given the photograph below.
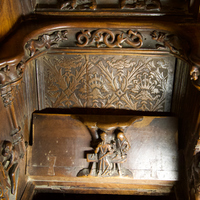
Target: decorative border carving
x=90 y=5
x=167 y=42
x=101 y=38
x=45 y=41
x=108 y=38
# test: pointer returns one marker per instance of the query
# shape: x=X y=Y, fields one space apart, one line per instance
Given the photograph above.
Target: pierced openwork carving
x=108 y=156
x=108 y=38
x=45 y=41
x=123 y=82
x=141 y=5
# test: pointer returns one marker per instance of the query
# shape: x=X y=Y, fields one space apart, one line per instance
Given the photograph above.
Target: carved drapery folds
x=108 y=156
x=108 y=38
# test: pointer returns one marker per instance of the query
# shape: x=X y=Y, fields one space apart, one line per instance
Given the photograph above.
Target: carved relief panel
x=102 y=81
x=130 y=147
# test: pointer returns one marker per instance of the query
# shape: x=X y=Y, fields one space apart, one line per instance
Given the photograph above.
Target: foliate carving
x=141 y=5
x=79 y=5
x=46 y=41
x=108 y=38
x=124 y=82
x=168 y=42
x=108 y=156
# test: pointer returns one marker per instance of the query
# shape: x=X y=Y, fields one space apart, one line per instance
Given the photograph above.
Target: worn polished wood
x=63 y=148
x=41 y=42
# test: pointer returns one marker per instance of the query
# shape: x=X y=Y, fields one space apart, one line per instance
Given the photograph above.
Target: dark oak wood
x=134 y=58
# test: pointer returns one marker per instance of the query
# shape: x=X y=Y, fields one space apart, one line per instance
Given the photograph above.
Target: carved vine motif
x=141 y=5
x=79 y=5
x=106 y=82
x=108 y=157
x=107 y=38
x=169 y=42
x=45 y=41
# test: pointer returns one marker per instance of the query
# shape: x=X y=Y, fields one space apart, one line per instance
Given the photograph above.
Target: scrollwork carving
x=108 y=38
x=45 y=41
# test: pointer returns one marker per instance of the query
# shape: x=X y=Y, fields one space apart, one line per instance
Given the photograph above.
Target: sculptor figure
x=104 y=150
x=10 y=162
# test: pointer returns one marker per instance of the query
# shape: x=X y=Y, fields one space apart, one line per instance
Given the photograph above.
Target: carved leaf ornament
x=107 y=38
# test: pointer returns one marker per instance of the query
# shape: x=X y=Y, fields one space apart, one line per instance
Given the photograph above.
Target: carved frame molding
x=132 y=40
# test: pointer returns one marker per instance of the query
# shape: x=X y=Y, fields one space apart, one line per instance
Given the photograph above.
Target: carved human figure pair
x=111 y=154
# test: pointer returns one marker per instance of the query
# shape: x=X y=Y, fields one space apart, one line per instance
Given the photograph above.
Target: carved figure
x=104 y=150
x=46 y=40
x=122 y=146
x=4 y=185
x=10 y=163
x=170 y=42
x=108 y=157
x=80 y=5
x=142 y=5
x=194 y=73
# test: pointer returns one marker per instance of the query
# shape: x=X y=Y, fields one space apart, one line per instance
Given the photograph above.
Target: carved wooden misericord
x=117 y=55
x=108 y=157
